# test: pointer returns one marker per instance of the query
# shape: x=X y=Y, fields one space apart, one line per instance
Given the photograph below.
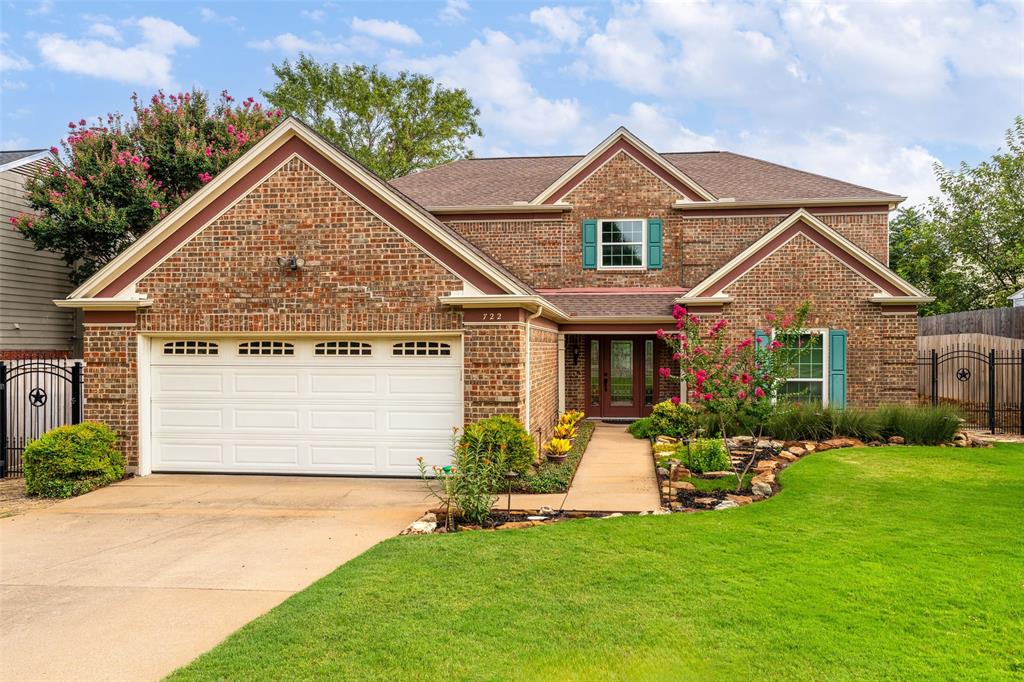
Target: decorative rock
x=766 y=477
x=666 y=440
x=761 y=488
x=897 y=440
x=546 y=511
x=740 y=499
x=662 y=471
x=718 y=474
x=706 y=501
x=536 y=518
x=683 y=485
x=661 y=510
x=810 y=446
x=421 y=526
x=763 y=443
x=822 y=447
x=765 y=465
x=843 y=443
x=977 y=442
x=788 y=456
x=797 y=450
x=509 y=525
x=681 y=472
x=777 y=444
x=612 y=516
x=743 y=440
x=726 y=504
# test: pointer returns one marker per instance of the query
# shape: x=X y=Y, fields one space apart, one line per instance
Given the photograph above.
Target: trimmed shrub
x=705 y=454
x=72 y=460
x=503 y=440
x=919 y=424
x=668 y=419
x=642 y=428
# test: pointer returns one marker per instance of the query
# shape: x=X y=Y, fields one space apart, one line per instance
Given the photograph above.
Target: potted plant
x=565 y=430
x=557 y=449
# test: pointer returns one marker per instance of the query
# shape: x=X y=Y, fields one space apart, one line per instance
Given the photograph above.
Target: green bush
x=705 y=454
x=865 y=425
x=668 y=419
x=919 y=424
x=71 y=460
x=642 y=428
x=504 y=441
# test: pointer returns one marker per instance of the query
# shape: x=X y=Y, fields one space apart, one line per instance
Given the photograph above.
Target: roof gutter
x=104 y=303
x=725 y=204
x=501 y=208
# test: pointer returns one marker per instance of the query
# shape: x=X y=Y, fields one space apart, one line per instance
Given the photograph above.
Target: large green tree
x=113 y=179
x=392 y=125
x=966 y=246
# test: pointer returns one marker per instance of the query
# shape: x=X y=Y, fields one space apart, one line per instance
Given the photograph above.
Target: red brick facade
x=546 y=252
x=361 y=274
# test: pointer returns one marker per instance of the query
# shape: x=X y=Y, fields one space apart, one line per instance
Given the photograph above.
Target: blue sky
x=869 y=92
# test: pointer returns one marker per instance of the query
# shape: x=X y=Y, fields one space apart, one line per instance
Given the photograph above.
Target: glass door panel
x=621 y=373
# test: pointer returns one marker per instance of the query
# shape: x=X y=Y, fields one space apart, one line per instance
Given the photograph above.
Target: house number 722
x=492 y=316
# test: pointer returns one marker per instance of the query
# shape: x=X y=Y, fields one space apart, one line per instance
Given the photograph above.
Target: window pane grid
x=342 y=348
x=422 y=348
x=266 y=348
x=622 y=243
x=807 y=381
x=190 y=348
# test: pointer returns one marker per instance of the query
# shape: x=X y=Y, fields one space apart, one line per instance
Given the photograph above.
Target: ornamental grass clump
x=504 y=441
x=72 y=460
x=919 y=424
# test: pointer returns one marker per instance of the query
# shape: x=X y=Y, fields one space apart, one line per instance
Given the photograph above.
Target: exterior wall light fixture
x=293 y=263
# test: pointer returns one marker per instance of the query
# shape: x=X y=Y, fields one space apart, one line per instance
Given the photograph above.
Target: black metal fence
x=37 y=394
x=984 y=384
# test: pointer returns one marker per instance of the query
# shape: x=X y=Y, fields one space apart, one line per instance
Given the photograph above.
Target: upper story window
x=622 y=244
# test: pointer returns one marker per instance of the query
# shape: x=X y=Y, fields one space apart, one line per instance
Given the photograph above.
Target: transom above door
x=621 y=379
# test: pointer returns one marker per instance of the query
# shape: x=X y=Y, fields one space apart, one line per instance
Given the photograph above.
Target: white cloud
x=18 y=142
x=12 y=62
x=387 y=30
x=209 y=16
x=512 y=112
x=289 y=43
x=11 y=86
x=566 y=24
x=104 y=31
x=454 y=11
x=148 y=62
x=44 y=7
x=872 y=160
x=652 y=125
x=313 y=14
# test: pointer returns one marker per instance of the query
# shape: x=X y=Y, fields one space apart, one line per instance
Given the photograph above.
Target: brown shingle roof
x=622 y=304
x=502 y=181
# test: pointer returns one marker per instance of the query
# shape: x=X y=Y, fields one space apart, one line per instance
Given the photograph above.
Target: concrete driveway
x=132 y=581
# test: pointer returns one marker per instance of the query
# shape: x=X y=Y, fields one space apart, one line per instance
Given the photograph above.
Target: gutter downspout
x=529 y=381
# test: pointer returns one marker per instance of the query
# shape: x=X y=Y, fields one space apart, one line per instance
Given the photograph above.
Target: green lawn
x=875 y=563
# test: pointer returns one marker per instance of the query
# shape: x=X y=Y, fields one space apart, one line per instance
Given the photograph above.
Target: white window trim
x=823 y=332
x=643 y=245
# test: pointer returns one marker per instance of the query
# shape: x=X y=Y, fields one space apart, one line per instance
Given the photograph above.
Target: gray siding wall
x=29 y=281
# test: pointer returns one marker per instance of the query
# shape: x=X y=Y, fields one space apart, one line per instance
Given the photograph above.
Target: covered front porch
x=614 y=374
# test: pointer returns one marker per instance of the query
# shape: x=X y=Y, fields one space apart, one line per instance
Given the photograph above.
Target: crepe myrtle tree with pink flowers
x=740 y=382
x=112 y=179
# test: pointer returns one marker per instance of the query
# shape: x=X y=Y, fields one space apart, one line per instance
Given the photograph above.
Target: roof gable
x=892 y=287
x=288 y=139
x=622 y=141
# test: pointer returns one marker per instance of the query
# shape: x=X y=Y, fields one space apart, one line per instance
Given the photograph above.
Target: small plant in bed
x=555 y=477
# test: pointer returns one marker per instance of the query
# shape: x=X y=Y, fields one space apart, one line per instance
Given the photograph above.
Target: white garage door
x=323 y=406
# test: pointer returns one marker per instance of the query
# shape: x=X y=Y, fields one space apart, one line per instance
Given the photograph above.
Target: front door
x=621 y=376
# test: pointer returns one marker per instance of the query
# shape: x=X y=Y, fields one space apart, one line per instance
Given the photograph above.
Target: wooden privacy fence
x=985 y=384
x=37 y=394
x=1008 y=322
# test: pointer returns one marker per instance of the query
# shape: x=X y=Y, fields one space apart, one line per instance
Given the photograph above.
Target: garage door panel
x=343 y=420
x=369 y=415
x=339 y=384
x=170 y=418
x=263 y=453
x=266 y=419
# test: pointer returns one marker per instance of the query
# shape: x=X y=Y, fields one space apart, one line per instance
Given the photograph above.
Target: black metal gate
x=37 y=394
x=985 y=385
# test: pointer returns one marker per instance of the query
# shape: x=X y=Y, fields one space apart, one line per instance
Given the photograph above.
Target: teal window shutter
x=837 y=367
x=761 y=338
x=589 y=244
x=654 y=244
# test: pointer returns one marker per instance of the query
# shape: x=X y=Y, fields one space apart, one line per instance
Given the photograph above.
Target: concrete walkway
x=616 y=474
x=132 y=581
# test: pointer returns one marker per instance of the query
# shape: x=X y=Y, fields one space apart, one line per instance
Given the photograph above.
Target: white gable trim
x=818 y=226
x=622 y=134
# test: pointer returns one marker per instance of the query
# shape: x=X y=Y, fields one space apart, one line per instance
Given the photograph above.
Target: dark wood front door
x=621 y=377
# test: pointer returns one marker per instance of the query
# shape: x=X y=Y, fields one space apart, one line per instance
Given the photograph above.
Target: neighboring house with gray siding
x=30 y=279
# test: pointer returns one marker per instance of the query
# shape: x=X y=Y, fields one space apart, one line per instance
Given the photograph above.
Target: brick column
x=111 y=383
x=494 y=367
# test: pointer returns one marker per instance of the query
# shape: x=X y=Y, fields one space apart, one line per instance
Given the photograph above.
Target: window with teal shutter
x=590 y=244
x=837 y=367
x=761 y=337
x=654 y=248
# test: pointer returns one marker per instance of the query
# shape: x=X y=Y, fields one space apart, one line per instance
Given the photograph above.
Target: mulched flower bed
x=434 y=520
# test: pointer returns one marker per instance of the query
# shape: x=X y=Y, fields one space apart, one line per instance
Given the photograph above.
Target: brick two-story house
x=300 y=315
